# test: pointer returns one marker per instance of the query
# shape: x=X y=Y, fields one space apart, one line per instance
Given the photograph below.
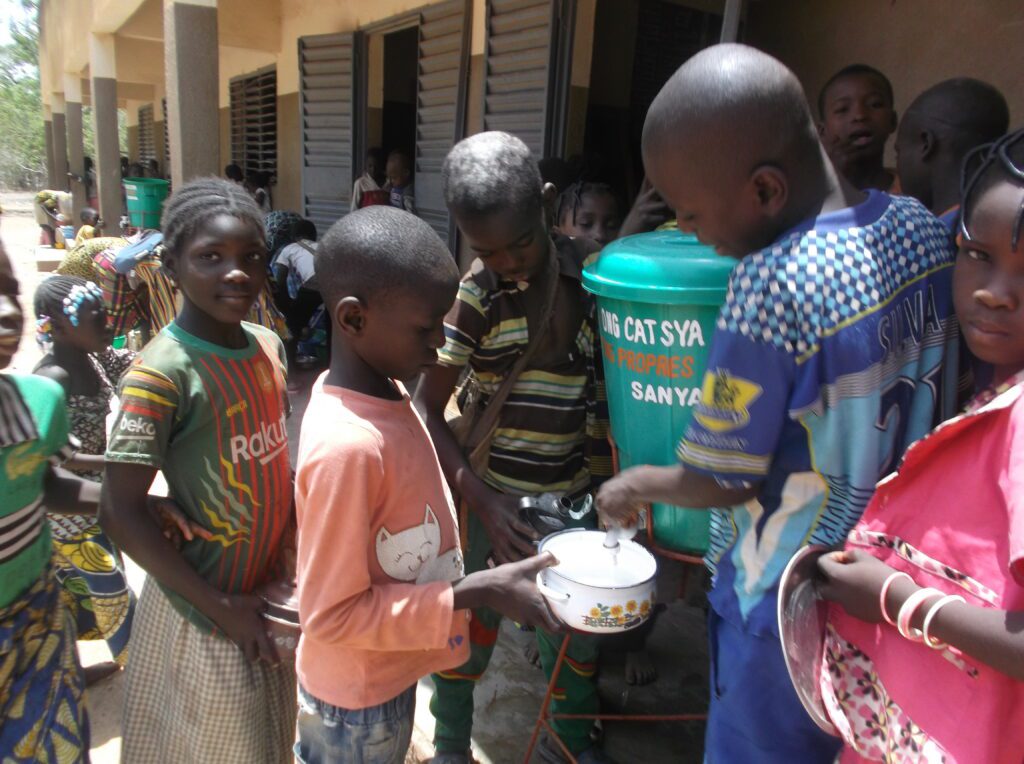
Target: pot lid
x=661 y=267
x=584 y=559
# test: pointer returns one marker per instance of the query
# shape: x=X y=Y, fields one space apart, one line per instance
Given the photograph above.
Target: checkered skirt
x=193 y=697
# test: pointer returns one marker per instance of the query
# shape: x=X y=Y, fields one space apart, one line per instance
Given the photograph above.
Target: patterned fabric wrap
x=86 y=563
x=265 y=313
x=124 y=312
x=94 y=587
x=79 y=260
x=42 y=717
x=162 y=294
x=875 y=725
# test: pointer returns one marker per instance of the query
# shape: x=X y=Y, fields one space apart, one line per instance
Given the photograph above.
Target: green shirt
x=33 y=433
x=213 y=419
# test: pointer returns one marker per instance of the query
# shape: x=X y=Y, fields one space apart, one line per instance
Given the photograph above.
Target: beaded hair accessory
x=44 y=331
x=79 y=294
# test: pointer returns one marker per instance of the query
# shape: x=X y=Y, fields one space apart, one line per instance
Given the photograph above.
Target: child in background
x=938 y=130
x=835 y=349
x=63 y=233
x=400 y=185
x=234 y=173
x=551 y=433
x=294 y=271
x=944 y=681
x=857 y=118
x=258 y=184
x=373 y=178
x=72 y=329
x=296 y=292
x=90 y=182
x=205 y=403
x=382 y=593
x=591 y=210
x=91 y=225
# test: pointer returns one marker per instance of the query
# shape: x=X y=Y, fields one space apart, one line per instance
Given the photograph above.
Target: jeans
x=375 y=735
x=755 y=714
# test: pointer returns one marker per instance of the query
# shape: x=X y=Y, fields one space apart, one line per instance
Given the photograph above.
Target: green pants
x=575 y=693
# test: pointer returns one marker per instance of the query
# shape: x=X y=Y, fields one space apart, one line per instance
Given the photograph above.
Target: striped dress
x=552 y=433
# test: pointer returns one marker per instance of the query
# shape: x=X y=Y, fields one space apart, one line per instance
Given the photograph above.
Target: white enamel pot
x=593 y=590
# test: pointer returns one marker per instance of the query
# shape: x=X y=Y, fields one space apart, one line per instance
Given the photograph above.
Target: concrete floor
x=508 y=698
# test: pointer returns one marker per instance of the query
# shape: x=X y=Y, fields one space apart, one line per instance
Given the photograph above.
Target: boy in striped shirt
x=549 y=436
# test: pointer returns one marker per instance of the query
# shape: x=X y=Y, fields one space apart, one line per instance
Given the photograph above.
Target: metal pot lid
x=584 y=559
x=803 y=616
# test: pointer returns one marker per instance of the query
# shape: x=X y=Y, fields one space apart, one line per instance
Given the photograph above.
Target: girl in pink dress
x=924 y=651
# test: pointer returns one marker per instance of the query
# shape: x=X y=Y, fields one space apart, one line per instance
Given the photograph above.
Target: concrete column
x=104 y=113
x=51 y=175
x=731 y=20
x=191 y=67
x=60 y=144
x=76 y=153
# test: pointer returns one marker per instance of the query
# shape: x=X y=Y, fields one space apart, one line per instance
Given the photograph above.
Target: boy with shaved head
x=383 y=596
x=940 y=128
x=835 y=350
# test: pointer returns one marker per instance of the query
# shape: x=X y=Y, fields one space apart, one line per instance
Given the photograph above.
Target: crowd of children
x=837 y=361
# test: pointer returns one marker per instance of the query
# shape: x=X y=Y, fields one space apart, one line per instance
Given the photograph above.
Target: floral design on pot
x=617 y=616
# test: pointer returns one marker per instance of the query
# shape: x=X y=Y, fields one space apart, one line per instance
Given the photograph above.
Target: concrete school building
x=300 y=89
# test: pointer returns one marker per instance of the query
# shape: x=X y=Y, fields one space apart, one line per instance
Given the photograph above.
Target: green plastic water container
x=658 y=296
x=144 y=198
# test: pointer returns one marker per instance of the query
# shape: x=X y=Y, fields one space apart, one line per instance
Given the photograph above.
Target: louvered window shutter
x=519 y=58
x=254 y=121
x=325 y=97
x=440 y=108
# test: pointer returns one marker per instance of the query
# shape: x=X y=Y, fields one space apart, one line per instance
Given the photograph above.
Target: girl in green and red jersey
x=205 y=402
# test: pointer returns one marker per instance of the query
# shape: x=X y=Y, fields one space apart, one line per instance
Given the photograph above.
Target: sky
x=10 y=10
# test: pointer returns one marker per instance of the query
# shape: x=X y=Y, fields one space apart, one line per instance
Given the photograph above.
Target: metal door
x=326 y=66
x=443 y=64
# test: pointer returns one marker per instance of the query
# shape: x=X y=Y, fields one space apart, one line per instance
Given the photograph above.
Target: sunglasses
x=976 y=164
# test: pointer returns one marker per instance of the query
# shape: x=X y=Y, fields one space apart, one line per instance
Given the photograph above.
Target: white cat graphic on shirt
x=414 y=554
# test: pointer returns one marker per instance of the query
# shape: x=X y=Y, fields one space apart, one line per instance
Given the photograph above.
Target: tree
x=22 y=142
x=22 y=132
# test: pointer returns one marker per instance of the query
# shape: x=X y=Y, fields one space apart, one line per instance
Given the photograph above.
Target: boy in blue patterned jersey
x=835 y=349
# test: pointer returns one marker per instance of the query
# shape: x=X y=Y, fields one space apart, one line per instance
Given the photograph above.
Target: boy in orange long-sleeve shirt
x=383 y=599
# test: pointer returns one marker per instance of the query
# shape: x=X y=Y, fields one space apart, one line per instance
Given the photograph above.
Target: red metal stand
x=545 y=717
